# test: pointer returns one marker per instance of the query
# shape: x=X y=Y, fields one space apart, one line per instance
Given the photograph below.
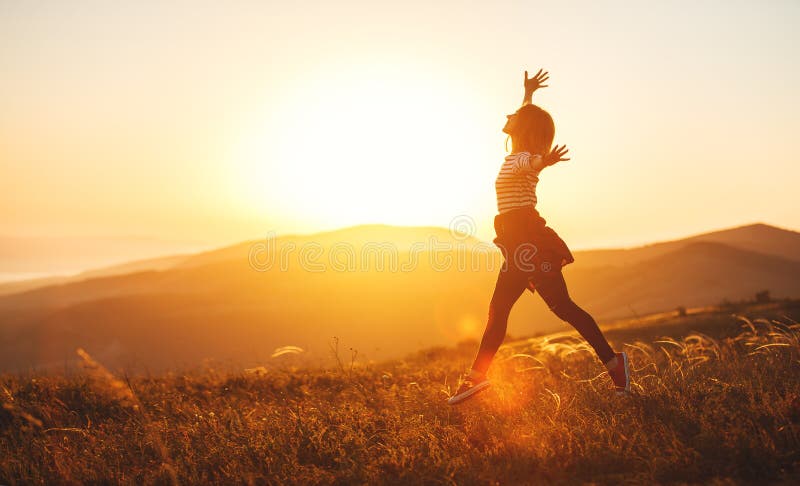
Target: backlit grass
x=706 y=408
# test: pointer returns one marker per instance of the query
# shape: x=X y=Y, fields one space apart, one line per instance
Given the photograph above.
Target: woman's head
x=531 y=129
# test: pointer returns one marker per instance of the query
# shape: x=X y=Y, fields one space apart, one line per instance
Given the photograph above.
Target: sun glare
x=378 y=145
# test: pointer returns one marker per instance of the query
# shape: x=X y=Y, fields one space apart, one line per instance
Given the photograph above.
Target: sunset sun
x=312 y=155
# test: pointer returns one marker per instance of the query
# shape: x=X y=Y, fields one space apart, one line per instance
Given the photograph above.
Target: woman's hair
x=533 y=131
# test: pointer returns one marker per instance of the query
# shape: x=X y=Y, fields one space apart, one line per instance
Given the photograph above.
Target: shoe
x=469 y=388
x=621 y=374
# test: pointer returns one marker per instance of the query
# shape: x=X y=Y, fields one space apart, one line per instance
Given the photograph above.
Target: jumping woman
x=533 y=253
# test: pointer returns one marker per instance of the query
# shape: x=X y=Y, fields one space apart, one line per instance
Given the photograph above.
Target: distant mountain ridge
x=697 y=274
x=158 y=263
x=216 y=305
x=357 y=236
x=758 y=237
x=402 y=238
x=69 y=255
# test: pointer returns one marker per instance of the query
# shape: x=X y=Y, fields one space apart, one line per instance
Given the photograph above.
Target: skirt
x=529 y=245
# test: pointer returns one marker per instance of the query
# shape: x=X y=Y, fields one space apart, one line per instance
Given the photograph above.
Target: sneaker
x=621 y=374
x=469 y=388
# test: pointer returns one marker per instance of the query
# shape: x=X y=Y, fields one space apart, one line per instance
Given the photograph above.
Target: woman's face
x=510 y=123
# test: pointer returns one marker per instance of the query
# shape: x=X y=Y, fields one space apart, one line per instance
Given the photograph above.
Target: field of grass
x=716 y=400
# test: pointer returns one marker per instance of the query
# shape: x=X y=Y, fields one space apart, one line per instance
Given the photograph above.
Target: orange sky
x=207 y=122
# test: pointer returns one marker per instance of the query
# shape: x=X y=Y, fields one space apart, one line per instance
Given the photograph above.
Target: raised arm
x=533 y=84
x=556 y=155
x=526 y=162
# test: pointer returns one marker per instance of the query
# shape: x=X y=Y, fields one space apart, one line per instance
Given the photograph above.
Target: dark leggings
x=553 y=289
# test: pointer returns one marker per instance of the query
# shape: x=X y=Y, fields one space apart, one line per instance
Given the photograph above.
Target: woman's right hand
x=556 y=155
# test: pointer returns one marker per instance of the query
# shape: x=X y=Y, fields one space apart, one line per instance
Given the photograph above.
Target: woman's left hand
x=556 y=155
x=536 y=81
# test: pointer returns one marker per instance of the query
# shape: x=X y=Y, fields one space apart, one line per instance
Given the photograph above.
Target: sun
x=373 y=144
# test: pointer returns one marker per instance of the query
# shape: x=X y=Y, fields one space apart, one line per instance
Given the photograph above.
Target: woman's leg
x=553 y=290
x=510 y=285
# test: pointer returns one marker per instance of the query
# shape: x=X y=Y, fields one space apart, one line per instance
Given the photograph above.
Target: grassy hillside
x=717 y=398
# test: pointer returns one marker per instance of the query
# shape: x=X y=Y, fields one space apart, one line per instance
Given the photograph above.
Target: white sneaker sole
x=456 y=399
x=626 y=364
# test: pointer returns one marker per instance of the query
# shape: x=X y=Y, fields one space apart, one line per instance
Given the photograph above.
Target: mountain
x=159 y=263
x=368 y=286
x=226 y=309
x=68 y=255
x=356 y=238
x=399 y=239
x=756 y=237
x=696 y=274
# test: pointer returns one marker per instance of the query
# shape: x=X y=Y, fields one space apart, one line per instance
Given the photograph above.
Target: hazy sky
x=219 y=121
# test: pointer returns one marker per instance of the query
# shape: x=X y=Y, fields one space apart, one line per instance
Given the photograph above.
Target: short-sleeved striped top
x=516 y=182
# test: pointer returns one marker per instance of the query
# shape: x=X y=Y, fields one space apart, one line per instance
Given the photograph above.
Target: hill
x=696 y=274
x=758 y=237
x=399 y=239
x=356 y=238
x=159 y=263
x=70 y=255
x=221 y=305
x=715 y=401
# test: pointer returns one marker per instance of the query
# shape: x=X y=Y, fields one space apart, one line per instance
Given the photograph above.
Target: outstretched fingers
x=539 y=72
x=557 y=154
x=537 y=81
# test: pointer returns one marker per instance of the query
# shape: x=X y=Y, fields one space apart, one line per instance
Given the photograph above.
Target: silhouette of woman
x=533 y=253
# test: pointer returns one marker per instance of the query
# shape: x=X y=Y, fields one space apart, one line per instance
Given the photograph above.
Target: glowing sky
x=220 y=121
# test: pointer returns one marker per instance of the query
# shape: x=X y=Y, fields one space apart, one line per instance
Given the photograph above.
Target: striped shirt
x=516 y=182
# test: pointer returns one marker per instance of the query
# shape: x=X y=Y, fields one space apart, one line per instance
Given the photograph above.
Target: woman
x=533 y=253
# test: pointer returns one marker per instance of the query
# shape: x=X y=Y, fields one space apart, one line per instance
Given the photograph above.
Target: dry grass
x=705 y=409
